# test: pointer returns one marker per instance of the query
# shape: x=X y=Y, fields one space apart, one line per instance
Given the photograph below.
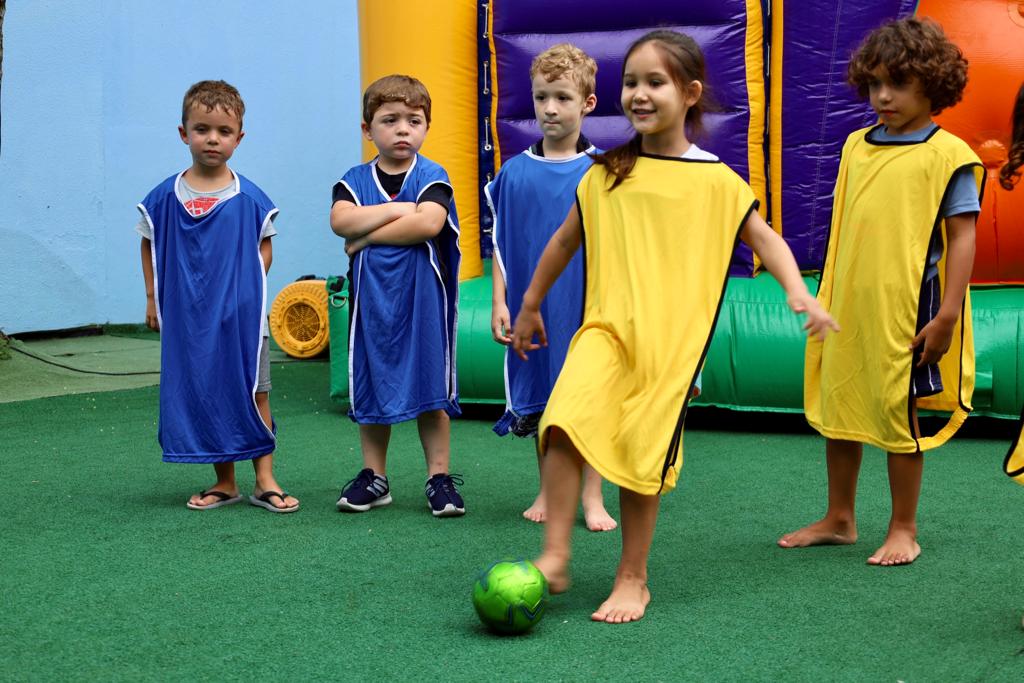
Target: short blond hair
x=565 y=59
x=213 y=95
x=396 y=88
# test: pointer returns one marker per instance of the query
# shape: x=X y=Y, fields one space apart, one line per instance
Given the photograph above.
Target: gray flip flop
x=263 y=501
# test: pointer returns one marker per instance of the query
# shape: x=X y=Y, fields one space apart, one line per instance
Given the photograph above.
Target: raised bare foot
x=900 y=547
x=627 y=602
x=537 y=512
x=822 y=532
x=556 y=571
x=597 y=517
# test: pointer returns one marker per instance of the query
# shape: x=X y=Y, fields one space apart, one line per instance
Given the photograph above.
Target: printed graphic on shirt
x=201 y=205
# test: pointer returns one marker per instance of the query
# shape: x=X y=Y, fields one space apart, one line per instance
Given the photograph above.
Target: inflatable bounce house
x=777 y=71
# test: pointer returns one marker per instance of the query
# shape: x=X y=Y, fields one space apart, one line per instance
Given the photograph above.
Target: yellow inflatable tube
x=436 y=43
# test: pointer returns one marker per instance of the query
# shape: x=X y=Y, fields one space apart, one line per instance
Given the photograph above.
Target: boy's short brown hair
x=565 y=58
x=912 y=48
x=396 y=88
x=213 y=95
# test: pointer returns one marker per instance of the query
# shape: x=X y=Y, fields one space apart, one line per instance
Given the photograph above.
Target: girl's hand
x=352 y=247
x=152 y=321
x=528 y=323
x=501 y=326
x=818 y=320
x=934 y=340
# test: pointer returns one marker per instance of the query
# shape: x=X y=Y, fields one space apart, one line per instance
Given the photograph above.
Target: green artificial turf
x=105 y=574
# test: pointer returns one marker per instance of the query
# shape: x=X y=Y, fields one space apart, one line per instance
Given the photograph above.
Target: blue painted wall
x=91 y=101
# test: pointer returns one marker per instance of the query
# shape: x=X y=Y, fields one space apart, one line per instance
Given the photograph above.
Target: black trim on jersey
x=683 y=159
x=582 y=145
x=911 y=399
x=583 y=247
x=673 y=447
x=897 y=143
x=1013 y=447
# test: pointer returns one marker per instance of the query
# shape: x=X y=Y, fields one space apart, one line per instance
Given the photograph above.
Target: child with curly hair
x=899 y=259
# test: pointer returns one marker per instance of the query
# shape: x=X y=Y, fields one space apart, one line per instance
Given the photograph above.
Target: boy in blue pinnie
x=398 y=218
x=205 y=253
x=529 y=199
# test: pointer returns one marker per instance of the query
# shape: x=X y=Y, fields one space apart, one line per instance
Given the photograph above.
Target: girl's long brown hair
x=684 y=62
x=1009 y=174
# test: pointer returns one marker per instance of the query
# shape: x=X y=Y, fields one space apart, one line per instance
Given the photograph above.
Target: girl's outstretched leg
x=838 y=526
x=563 y=468
x=629 y=596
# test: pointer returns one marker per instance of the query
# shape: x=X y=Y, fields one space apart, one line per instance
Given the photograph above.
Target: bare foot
x=537 y=512
x=627 y=602
x=556 y=571
x=597 y=517
x=822 y=532
x=900 y=547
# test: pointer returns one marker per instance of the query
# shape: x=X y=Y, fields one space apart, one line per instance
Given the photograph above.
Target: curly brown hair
x=1010 y=173
x=213 y=95
x=567 y=60
x=907 y=49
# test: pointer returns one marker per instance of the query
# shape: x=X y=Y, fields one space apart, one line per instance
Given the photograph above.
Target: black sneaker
x=367 y=490
x=443 y=497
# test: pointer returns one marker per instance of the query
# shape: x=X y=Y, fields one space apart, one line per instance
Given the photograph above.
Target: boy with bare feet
x=529 y=199
x=899 y=259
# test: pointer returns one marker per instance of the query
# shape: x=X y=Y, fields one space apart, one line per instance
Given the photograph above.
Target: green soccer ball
x=510 y=596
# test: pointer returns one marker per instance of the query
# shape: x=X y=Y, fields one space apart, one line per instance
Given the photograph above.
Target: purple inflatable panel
x=813 y=110
x=521 y=29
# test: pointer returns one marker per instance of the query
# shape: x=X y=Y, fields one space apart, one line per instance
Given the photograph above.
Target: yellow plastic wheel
x=298 y=319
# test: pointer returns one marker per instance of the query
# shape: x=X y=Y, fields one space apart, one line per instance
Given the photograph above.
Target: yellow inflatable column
x=435 y=42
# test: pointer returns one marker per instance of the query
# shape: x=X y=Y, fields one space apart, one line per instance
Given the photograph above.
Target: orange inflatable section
x=991 y=35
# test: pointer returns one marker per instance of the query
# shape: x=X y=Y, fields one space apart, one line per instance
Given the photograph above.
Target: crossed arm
x=395 y=223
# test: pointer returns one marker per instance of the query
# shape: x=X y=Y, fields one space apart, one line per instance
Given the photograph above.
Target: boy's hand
x=501 y=326
x=934 y=340
x=528 y=323
x=152 y=321
x=818 y=322
x=352 y=247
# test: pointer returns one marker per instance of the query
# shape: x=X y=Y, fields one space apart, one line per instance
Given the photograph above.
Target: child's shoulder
x=951 y=145
x=162 y=189
x=253 y=191
x=427 y=166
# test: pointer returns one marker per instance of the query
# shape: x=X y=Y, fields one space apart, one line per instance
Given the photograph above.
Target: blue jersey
x=210 y=290
x=404 y=310
x=529 y=199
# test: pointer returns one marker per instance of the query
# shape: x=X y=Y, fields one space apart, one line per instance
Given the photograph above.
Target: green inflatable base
x=756 y=358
